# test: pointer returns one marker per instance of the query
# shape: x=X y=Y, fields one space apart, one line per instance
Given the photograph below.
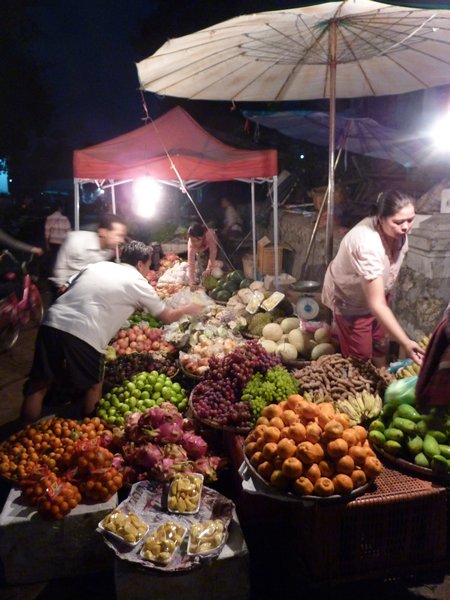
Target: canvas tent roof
x=197 y=155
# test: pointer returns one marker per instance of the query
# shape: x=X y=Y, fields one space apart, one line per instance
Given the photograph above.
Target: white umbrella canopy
x=346 y=49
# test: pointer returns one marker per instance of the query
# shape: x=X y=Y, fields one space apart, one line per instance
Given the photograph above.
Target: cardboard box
x=265 y=257
x=33 y=549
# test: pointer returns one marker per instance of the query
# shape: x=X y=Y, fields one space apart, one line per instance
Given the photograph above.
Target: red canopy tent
x=171 y=148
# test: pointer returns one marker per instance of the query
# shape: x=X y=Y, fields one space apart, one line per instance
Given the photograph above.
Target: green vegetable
x=445 y=450
x=421 y=460
x=430 y=446
x=406 y=411
x=394 y=434
x=377 y=425
x=439 y=436
x=393 y=447
x=439 y=464
x=377 y=438
x=415 y=445
x=405 y=425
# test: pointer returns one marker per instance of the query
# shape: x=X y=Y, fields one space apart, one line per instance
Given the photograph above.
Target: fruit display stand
x=33 y=549
x=397 y=528
x=220 y=579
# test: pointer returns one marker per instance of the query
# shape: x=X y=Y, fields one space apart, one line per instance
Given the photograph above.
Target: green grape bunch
x=276 y=385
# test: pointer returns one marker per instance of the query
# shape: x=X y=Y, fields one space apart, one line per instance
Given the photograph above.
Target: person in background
x=81 y=248
x=433 y=383
x=57 y=226
x=201 y=252
x=359 y=281
x=232 y=222
x=71 y=341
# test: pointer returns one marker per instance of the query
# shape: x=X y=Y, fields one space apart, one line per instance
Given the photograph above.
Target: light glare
x=147 y=193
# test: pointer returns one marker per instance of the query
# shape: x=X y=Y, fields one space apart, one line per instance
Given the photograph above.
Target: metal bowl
x=306 y=286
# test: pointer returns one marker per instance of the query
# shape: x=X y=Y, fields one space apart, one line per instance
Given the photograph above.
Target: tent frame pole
x=253 y=227
x=76 y=201
x=275 y=231
x=332 y=134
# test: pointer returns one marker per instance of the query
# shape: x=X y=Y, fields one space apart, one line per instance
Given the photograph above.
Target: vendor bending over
x=202 y=252
x=77 y=328
x=359 y=281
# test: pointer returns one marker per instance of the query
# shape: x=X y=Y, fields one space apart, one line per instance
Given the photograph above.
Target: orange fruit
x=343 y=484
x=284 y=433
x=309 y=453
x=276 y=422
x=358 y=477
x=350 y=436
x=269 y=450
x=361 y=432
x=327 y=408
x=279 y=480
x=297 y=432
x=260 y=442
x=372 y=467
x=294 y=400
x=289 y=417
x=249 y=448
x=257 y=459
x=277 y=462
x=324 y=487
x=368 y=448
x=345 y=465
x=313 y=472
x=359 y=455
x=337 y=448
x=283 y=405
x=286 y=448
x=259 y=431
x=292 y=468
x=313 y=432
x=265 y=469
x=327 y=468
x=271 y=434
x=272 y=410
x=343 y=419
x=333 y=429
x=262 y=421
x=303 y=486
x=309 y=411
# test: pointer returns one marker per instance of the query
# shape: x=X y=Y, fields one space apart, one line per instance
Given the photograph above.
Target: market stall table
x=33 y=549
x=220 y=579
x=398 y=527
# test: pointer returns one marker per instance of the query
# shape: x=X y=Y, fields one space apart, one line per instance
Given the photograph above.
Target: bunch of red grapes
x=217 y=398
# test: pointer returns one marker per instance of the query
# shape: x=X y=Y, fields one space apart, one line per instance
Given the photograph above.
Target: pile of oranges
x=309 y=449
x=59 y=462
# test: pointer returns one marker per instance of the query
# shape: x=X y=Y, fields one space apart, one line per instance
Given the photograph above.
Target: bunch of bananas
x=408 y=371
x=424 y=341
x=317 y=397
x=361 y=408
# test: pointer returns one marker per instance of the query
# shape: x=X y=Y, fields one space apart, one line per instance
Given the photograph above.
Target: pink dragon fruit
x=208 y=466
x=194 y=445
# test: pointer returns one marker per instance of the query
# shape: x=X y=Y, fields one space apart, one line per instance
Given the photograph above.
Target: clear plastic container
x=206 y=537
x=161 y=545
x=124 y=527
x=185 y=493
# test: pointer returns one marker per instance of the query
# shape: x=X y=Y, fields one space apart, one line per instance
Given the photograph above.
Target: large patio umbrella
x=360 y=135
x=332 y=50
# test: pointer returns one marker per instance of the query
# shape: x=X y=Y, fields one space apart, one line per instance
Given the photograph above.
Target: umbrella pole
x=76 y=203
x=253 y=228
x=316 y=224
x=330 y=205
x=275 y=230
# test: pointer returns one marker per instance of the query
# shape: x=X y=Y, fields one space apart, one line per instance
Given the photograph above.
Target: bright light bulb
x=147 y=194
x=441 y=134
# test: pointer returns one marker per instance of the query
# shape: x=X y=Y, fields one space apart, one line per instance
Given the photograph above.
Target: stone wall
x=423 y=287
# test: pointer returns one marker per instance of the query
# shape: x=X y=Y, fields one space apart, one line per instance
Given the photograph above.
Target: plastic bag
x=175 y=274
x=401 y=391
x=186 y=296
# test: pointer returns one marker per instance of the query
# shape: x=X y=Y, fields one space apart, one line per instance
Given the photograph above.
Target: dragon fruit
x=149 y=456
x=194 y=445
x=208 y=466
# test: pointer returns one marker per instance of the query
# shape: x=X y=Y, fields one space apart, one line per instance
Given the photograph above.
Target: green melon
x=245 y=283
x=223 y=296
